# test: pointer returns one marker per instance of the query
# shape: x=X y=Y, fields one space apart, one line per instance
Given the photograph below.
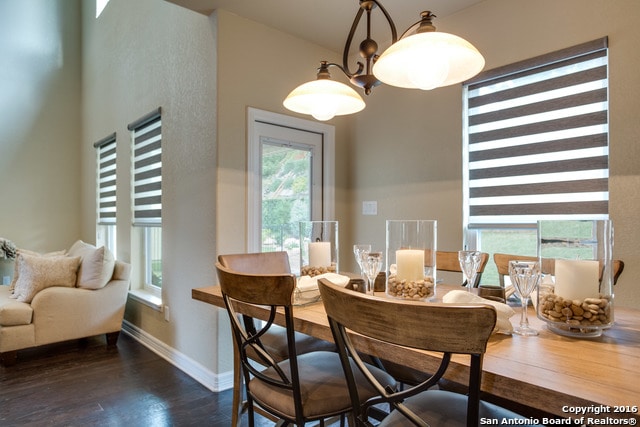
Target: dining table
x=558 y=379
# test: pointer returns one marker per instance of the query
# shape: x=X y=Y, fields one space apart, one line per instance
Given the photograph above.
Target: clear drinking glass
x=469 y=264
x=360 y=252
x=525 y=276
x=372 y=266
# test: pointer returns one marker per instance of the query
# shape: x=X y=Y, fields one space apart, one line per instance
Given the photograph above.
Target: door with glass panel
x=289 y=186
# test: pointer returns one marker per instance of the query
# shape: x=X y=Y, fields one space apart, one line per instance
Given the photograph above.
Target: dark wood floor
x=82 y=383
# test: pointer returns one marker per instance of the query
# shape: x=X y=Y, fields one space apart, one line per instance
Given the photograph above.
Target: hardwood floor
x=82 y=383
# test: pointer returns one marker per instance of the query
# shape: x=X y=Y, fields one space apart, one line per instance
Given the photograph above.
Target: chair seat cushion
x=447 y=409
x=275 y=341
x=323 y=386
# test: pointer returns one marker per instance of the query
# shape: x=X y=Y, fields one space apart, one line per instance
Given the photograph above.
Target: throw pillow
x=16 y=269
x=96 y=265
x=37 y=273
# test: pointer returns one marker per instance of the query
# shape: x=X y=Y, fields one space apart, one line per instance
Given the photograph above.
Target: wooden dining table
x=589 y=381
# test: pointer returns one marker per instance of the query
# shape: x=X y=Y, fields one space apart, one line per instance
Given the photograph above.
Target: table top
x=549 y=372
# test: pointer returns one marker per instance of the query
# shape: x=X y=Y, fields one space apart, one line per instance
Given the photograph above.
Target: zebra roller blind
x=147 y=170
x=106 y=152
x=536 y=139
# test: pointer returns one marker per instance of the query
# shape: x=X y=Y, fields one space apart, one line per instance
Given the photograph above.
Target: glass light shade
x=427 y=61
x=324 y=99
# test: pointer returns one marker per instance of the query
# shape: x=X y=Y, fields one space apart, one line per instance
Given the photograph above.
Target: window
x=535 y=147
x=100 y=5
x=106 y=192
x=290 y=180
x=147 y=199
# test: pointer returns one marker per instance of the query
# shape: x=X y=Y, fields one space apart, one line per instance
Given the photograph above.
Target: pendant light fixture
x=422 y=59
x=324 y=98
x=427 y=59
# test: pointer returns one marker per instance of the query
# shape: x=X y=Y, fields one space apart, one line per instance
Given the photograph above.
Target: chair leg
x=237 y=390
x=112 y=338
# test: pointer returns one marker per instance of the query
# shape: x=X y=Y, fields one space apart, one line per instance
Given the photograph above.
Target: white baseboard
x=212 y=381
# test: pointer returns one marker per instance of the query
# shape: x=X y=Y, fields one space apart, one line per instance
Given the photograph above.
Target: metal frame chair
x=299 y=389
x=275 y=339
x=461 y=329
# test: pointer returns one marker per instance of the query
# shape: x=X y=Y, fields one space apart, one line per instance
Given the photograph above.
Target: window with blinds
x=106 y=180
x=536 y=139
x=147 y=170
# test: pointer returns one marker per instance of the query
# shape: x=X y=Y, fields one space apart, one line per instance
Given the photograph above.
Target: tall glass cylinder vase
x=575 y=297
x=6 y=270
x=318 y=247
x=411 y=259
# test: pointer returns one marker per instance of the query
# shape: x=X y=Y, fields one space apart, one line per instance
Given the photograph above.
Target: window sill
x=146 y=298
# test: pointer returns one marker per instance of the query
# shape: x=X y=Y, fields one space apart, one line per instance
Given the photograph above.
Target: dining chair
x=275 y=339
x=445 y=261
x=450 y=329
x=548 y=265
x=448 y=261
x=303 y=387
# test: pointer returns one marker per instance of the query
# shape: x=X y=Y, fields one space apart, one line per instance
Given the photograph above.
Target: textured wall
x=40 y=123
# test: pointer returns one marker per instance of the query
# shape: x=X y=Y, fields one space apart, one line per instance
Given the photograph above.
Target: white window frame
x=254 y=212
x=144 y=290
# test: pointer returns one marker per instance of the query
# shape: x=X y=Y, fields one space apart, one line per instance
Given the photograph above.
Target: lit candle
x=320 y=254
x=577 y=279
x=410 y=264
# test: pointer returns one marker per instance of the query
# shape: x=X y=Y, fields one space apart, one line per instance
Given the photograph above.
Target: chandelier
x=422 y=58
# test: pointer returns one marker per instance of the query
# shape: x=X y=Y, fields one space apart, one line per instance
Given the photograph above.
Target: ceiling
x=327 y=22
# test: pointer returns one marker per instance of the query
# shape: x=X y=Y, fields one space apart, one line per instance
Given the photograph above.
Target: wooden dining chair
x=449 y=329
x=275 y=339
x=303 y=387
x=548 y=265
x=445 y=261
x=448 y=261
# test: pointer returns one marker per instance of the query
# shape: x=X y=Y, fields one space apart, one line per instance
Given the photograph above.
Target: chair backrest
x=257 y=263
x=461 y=329
x=448 y=261
x=271 y=290
x=548 y=265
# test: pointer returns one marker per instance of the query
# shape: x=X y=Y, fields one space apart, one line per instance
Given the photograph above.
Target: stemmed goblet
x=469 y=264
x=525 y=276
x=372 y=265
x=361 y=252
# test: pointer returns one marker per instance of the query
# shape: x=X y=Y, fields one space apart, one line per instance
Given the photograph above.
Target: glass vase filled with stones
x=411 y=259
x=318 y=247
x=575 y=297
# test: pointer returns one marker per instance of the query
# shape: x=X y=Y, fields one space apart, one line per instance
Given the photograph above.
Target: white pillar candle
x=577 y=279
x=320 y=254
x=410 y=264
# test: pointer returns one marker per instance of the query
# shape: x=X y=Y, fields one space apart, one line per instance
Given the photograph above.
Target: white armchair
x=61 y=313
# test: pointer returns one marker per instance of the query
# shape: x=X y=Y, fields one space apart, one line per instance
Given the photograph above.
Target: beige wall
x=256 y=68
x=212 y=74
x=407 y=144
x=132 y=66
x=40 y=123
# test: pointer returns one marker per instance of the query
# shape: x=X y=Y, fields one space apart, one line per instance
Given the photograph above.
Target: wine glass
x=469 y=264
x=372 y=265
x=525 y=276
x=360 y=252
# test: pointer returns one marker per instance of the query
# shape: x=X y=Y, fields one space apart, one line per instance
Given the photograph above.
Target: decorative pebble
x=587 y=312
x=413 y=290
